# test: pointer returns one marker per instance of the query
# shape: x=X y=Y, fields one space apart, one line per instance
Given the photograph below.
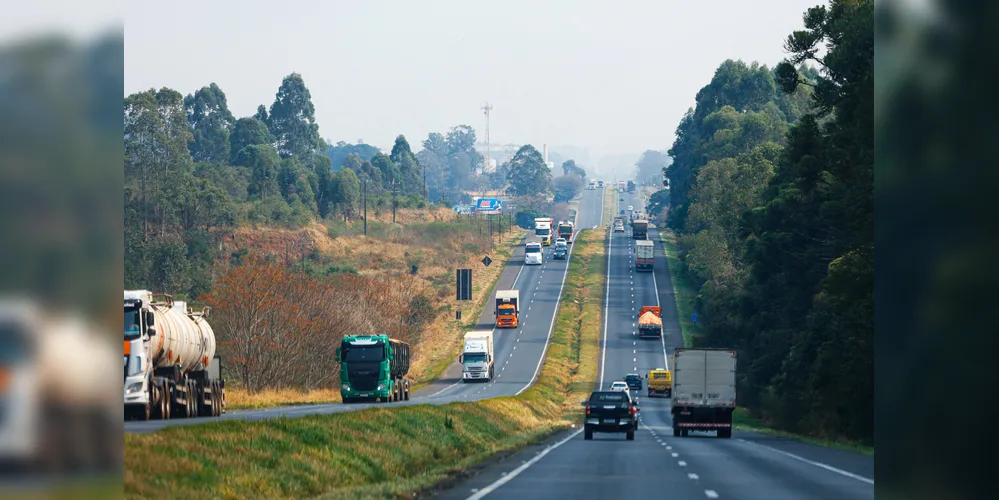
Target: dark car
x=560 y=252
x=611 y=412
x=634 y=381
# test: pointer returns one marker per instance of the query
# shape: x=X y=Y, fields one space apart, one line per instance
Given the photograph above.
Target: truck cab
x=543 y=230
x=566 y=230
x=373 y=366
x=507 y=308
x=533 y=254
x=477 y=357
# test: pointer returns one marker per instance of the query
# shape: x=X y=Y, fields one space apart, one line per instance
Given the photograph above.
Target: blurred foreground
x=60 y=261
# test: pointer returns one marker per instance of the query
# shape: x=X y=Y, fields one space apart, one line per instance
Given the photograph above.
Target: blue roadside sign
x=693 y=317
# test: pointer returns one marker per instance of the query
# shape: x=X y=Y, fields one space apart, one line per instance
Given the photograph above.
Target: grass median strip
x=382 y=452
x=682 y=290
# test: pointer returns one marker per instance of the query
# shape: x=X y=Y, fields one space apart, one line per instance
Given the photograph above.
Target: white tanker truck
x=171 y=369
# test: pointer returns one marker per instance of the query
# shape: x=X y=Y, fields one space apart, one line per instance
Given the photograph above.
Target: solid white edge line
x=812 y=462
x=514 y=286
x=655 y=284
x=558 y=303
x=514 y=473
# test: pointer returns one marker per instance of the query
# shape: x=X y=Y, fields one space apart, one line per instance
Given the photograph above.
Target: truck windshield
x=533 y=250
x=363 y=352
x=542 y=232
x=132 y=323
x=475 y=357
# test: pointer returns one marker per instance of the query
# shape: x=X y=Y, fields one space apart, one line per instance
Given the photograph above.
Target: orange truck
x=507 y=308
x=650 y=322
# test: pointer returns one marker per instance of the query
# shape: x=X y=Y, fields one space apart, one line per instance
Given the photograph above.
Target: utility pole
x=365 y=207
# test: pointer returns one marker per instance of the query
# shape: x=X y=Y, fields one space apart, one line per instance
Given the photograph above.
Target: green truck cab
x=373 y=367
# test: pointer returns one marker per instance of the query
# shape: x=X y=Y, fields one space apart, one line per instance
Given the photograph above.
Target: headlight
x=381 y=387
x=133 y=388
x=345 y=387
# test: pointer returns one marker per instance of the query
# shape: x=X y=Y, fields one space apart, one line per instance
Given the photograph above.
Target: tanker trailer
x=171 y=369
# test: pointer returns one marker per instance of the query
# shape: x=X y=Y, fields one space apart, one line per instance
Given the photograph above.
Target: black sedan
x=634 y=381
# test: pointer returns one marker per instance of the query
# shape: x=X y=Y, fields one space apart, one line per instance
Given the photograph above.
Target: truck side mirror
x=584 y=403
x=461 y=358
x=152 y=331
x=150 y=318
x=338 y=354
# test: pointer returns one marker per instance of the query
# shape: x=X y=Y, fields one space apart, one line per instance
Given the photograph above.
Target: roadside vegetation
x=383 y=452
x=771 y=198
x=399 y=279
x=683 y=292
x=742 y=419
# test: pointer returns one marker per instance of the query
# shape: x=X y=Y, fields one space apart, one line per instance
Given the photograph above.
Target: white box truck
x=703 y=391
x=477 y=357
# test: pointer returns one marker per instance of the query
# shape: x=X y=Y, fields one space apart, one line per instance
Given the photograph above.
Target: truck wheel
x=630 y=436
x=587 y=434
x=684 y=432
x=725 y=433
x=676 y=432
x=167 y=402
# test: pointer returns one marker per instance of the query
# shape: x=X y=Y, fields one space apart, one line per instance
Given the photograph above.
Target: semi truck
x=373 y=366
x=631 y=186
x=543 y=229
x=643 y=255
x=59 y=413
x=703 y=391
x=650 y=322
x=566 y=229
x=640 y=229
x=477 y=357
x=507 y=308
x=171 y=370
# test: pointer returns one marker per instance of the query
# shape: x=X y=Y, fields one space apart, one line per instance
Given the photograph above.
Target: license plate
x=609 y=420
x=363 y=395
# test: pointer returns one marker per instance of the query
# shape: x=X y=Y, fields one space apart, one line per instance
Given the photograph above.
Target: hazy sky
x=612 y=77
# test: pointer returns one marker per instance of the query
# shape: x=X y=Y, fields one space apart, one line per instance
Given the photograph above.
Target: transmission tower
x=486 y=109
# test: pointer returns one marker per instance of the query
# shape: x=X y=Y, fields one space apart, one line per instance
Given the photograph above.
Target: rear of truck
x=644 y=251
x=703 y=391
x=640 y=229
x=650 y=323
x=660 y=383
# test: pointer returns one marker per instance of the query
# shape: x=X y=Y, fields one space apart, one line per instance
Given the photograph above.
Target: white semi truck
x=59 y=413
x=477 y=357
x=170 y=365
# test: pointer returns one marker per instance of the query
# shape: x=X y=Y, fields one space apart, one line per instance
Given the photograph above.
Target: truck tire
x=587 y=434
x=630 y=436
x=725 y=433
x=167 y=404
x=676 y=432
x=684 y=432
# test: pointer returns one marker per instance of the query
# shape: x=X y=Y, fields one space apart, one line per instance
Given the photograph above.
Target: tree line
x=771 y=194
x=194 y=172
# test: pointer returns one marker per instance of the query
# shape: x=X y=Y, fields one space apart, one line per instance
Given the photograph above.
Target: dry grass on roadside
x=385 y=452
x=238 y=398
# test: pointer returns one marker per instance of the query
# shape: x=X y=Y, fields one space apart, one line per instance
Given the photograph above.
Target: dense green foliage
x=528 y=173
x=193 y=173
x=771 y=190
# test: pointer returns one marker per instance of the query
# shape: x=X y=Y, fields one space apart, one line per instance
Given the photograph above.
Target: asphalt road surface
x=518 y=352
x=657 y=465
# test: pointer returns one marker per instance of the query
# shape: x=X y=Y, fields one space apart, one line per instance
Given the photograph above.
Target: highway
x=657 y=465
x=518 y=352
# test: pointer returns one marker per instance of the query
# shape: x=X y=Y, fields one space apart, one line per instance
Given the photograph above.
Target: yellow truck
x=660 y=383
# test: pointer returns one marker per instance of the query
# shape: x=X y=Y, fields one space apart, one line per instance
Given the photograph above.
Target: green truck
x=373 y=367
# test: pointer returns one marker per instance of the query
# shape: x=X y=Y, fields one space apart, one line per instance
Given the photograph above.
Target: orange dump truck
x=507 y=308
x=650 y=323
